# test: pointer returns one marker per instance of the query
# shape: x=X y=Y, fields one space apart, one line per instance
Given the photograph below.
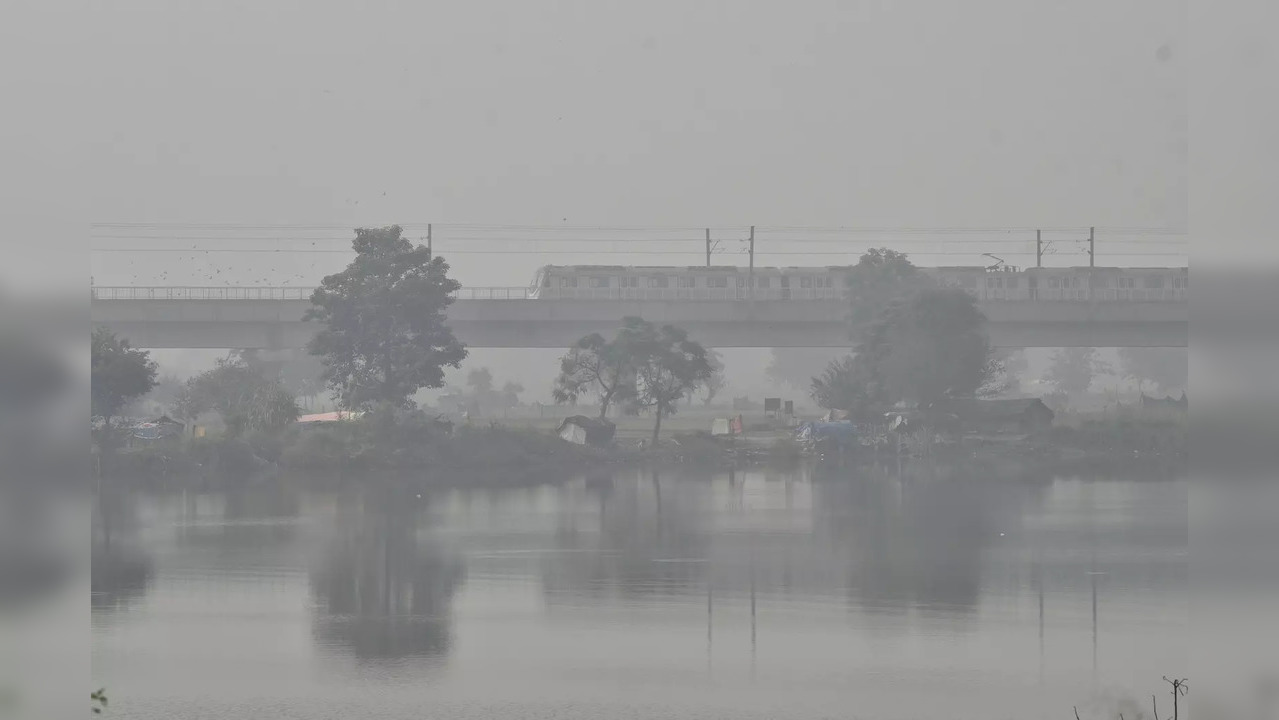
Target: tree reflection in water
x=916 y=538
x=381 y=593
x=885 y=540
x=120 y=571
x=651 y=541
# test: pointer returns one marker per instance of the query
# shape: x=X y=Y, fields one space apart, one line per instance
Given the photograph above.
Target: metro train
x=615 y=282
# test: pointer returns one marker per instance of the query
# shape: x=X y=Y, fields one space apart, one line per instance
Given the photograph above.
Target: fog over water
x=756 y=594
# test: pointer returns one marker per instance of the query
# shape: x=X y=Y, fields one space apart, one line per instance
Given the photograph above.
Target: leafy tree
x=511 y=394
x=301 y=375
x=481 y=381
x=716 y=382
x=243 y=397
x=1166 y=368
x=1015 y=364
x=1072 y=369
x=848 y=383
x=118 y=373
x=668 y=366
x=922 y=350
x=601 y=367
x=385 y=336
x=880 y=278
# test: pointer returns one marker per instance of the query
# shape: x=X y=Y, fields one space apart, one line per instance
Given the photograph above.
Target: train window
x=806 y=282
x=1010 y=283
x=628 y=282
x=1125 y=283
x=994 y=282
x=762 y=282
x=828 y=281
x=1054 y=283
x=659 y=282
x=568 y=282
x=599 y=282
x=687 y=282
x=717 y=282
x=1154 y=283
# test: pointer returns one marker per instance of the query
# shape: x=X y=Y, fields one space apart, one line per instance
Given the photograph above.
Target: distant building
x=582 y=430
x=1016 y=415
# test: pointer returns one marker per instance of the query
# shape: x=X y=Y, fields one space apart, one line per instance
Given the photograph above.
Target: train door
x=785 y=288
x=1032 y=286
x=994 y=288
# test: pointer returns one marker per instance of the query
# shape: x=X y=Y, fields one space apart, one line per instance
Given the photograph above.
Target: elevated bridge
x=271 y=318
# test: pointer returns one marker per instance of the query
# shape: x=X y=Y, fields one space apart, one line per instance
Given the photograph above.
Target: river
x=850 y=594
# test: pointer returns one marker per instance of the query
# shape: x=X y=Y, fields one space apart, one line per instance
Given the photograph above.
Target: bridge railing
x=526 y=293
x=201 y=293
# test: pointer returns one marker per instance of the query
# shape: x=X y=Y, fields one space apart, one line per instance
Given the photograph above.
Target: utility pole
x=430 y=255
x=751 y=272
x=1092 y=247
x=1039 y=249
x=708 y=247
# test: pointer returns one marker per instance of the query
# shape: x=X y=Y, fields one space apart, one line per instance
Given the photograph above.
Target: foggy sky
x=982 y=113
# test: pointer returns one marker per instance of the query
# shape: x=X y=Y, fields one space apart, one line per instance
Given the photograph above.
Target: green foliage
x=922 y=350
x=98 y=701
x=600 y=367
x=716 y=382
x=299 y=374
x=118 y=373
x=668 y=366
x=480 y=380
x=1072 y=369
x=881 y=278
x=930 y=348
x=385 y=336
x=242 y=397
x=849 y=383
x=1014 y=364
x=510 y=393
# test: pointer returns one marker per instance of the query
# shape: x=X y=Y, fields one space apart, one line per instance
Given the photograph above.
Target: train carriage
x=1005 y=283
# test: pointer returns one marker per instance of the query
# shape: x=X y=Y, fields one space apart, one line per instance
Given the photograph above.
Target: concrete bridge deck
x=275 y=322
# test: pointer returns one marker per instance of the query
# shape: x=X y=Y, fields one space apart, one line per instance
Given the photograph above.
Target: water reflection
x=908 y=588
x=121 y=570
x=252 y=517
x=383 y=594
x=651 y=540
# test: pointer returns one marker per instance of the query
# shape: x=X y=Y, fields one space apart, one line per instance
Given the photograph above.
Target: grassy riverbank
x=416 y=446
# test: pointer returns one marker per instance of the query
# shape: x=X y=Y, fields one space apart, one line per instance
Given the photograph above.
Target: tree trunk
x=604 y=401
x=657 y=426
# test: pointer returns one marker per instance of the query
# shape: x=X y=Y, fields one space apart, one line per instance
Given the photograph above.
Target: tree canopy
x=385 y=335
x=118 y=373
x=880 y=278
x=603 y=368
x=244 y=397
x=715 y=382
x=922 y=350
x=1072 y=369
x=668 y=366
